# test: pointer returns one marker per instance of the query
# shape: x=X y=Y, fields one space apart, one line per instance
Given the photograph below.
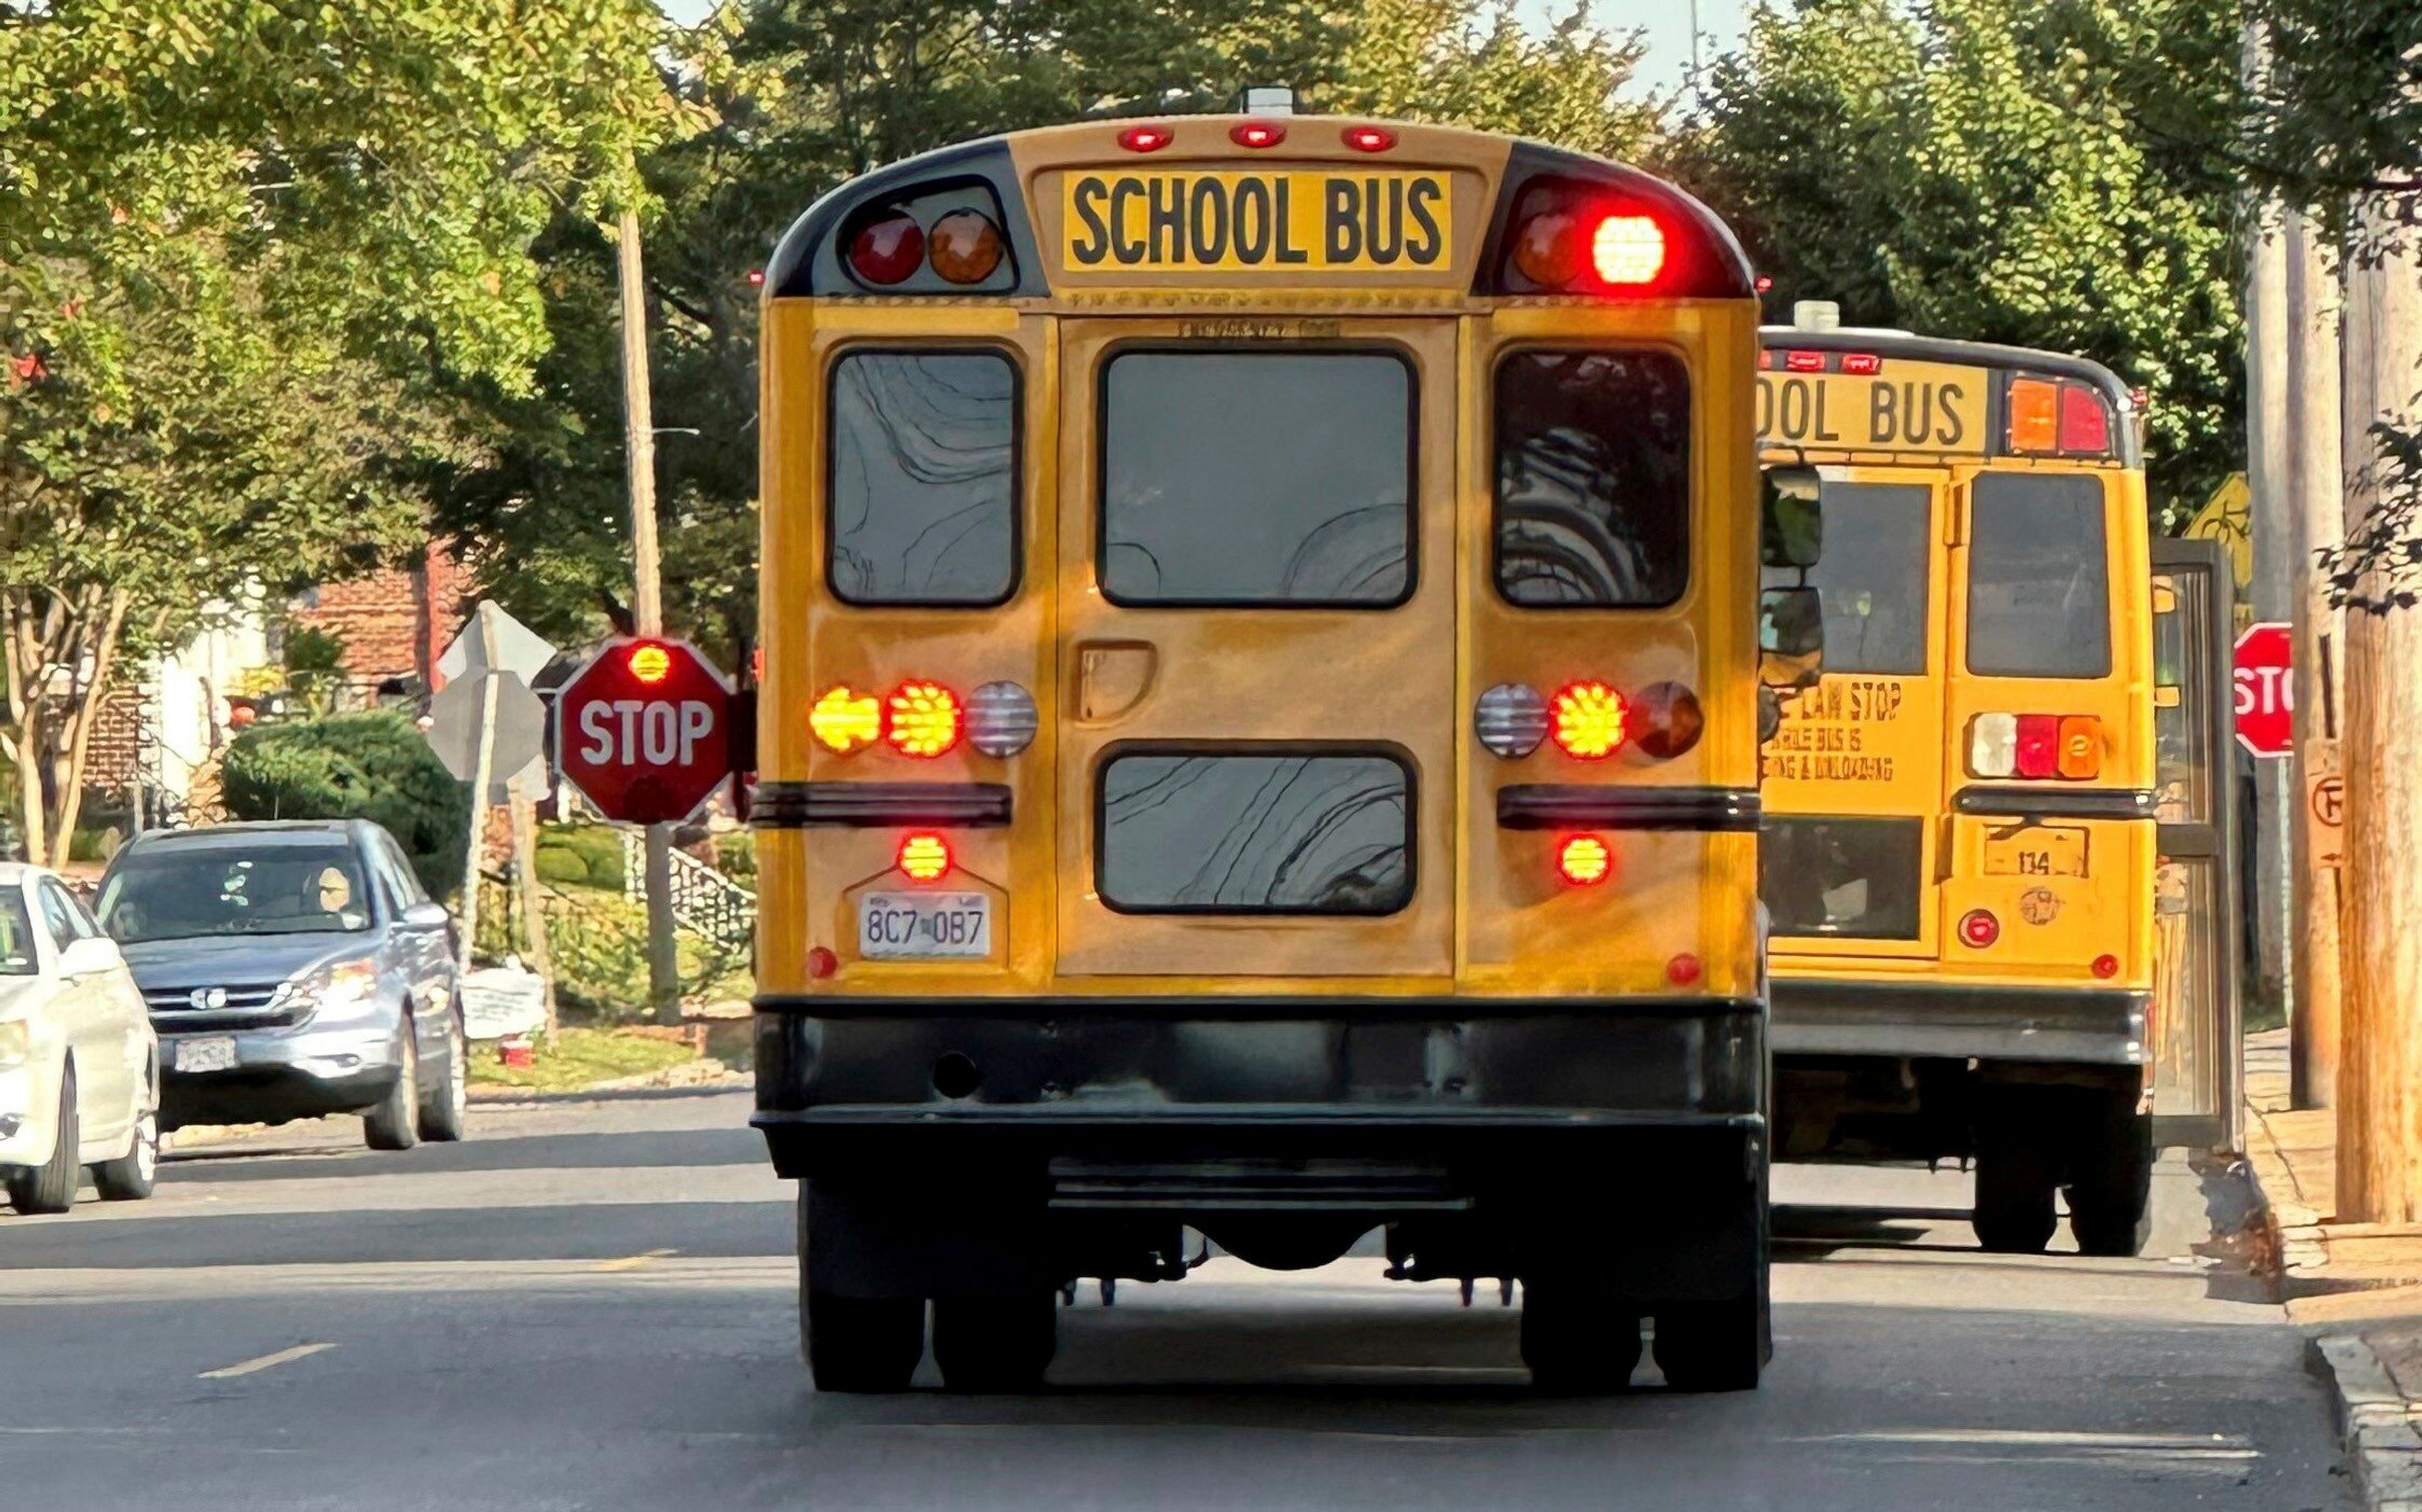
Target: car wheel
x=129 y=1178
x=393 y=1123
x=446 y=1098
x=51 y=1187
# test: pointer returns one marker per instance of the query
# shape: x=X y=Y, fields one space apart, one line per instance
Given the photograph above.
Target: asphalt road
x=590 y=1305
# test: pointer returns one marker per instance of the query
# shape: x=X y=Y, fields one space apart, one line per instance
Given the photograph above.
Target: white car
x=79 y=1064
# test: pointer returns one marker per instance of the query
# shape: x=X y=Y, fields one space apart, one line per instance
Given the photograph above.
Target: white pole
x=483 y=758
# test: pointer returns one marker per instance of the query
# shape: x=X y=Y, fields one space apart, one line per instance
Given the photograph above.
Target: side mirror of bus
x=1791 y=519
x=1790 y=637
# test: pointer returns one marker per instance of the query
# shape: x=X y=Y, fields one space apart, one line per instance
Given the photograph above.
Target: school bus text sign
x=1289 y=223
x=1901 y=406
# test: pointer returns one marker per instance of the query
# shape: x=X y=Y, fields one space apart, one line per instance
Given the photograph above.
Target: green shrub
x=94 y=844
x=599 y=848
x=562 y=866
x=373 y=766
x=735 y=855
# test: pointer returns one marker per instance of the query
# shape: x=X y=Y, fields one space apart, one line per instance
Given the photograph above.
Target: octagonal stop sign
x=2266 y=687
x=644 y=730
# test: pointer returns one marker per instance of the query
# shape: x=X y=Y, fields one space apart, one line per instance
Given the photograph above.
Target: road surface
x=591 y=1304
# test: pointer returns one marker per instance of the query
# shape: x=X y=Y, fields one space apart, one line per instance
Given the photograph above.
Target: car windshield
x=185 y=894
x=16 y=935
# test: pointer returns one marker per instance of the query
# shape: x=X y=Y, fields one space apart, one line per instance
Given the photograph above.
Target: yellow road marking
x=633 y=1262
x=249 y=1366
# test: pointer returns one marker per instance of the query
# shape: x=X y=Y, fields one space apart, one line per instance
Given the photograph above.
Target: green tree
x=373 y=766
x=2026 y=171
x=250 y=251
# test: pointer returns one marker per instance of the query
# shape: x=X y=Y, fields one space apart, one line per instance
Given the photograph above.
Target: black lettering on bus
x=1917 y=406
x=1206 y=211
x=1252 y=222
x=1953 y=431
x=1127 y=250
x=1342 y=226
x=1283 y=226
x=1094 y=244
x=1824 y=431
x=1884 y=414
x=1383 y=222
x=1765 y=408
x=1795 y=415
x=1168 y=215
x=1428 y=242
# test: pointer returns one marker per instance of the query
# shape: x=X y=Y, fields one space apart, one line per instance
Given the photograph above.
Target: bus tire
x=2111 y=1182
x=1578 y=1342
x=2015 y=1181
x=991 y=1344
x=860 y=1344
x=1713 y=1347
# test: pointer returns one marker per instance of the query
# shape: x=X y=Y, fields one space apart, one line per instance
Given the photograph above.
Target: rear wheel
x=996 y=1344
x=2111 y=1180
x=2015 y=1179
x=393 y=1123
x=860 y=1344
x=1713 y=1347
x=444 y=1094
x=1577 y=1341
x=129 y=1178
x=51 y=1187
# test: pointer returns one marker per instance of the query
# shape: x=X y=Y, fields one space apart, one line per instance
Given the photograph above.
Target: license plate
x=923 y=925
x=2038 y=850
x=212 y=1053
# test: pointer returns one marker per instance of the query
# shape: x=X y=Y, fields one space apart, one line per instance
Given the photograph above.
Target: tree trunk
x=2380 y=1077
x=2316 y=522
x=82 y=713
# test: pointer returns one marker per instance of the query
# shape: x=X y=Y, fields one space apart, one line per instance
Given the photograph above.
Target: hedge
x=373 y=766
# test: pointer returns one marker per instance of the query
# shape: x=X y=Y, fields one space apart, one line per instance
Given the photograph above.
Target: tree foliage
x=374 y=766
x=1996 y=170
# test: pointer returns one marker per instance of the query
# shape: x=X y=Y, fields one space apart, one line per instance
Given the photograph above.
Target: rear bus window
x=924 y=479
x=1269 y=478
x=1197 y=833
x=1871 y=579
x=1851 y=879
x=1593 y=478
x=2039 y=584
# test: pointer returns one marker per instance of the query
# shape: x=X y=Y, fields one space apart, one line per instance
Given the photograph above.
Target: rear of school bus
x=1257 y=738
x=1959 y=842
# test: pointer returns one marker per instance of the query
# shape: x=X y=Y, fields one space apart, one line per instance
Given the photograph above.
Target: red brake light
x=756 y=278
x=1369 y=138
x=1862 y=364
x=1146 y=138
x=924 y=856
x=2084 y=426
x=1584 y=859
x=1978 y=929
x=1682 y=970
x=1805 y=361
x=922 y=719
x=1257 y=133
x=649 y=663
x=1627 y=250
x=822 y=962
x=2038 y=754
x=887 y=250
x=1664 y=721
x=2106 y=967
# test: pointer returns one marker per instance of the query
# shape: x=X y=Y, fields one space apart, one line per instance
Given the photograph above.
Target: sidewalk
x=2356 y=1287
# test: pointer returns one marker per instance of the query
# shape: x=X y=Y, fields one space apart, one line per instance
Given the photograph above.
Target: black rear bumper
x=2064 y=1025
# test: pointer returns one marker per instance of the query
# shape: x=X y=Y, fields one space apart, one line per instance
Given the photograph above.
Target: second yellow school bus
x=1961 y=823
x=1258 y=738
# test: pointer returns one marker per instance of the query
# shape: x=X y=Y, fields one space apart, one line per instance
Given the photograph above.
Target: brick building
x=394 y=622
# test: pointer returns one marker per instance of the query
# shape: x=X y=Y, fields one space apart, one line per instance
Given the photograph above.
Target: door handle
x=1112 y=678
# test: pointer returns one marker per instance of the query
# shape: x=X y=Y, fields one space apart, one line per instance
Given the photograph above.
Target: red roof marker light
x=1146 y=138
x=1257 y=133
x=1369 y=138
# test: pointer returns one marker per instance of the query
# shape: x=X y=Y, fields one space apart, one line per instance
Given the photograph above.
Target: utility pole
x=647 y=603
x=2379 y=1065
x=2276 y=546
x=2315 y=494
x=483 y=746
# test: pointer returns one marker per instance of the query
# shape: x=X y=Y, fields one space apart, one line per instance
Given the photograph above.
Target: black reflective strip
x=1197 y=1007
x=793 y=806
x=1555 y=805
x=2057 y=803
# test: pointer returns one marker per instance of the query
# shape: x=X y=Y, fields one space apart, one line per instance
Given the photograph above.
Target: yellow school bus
x=1960 y=838
x=1258 y=738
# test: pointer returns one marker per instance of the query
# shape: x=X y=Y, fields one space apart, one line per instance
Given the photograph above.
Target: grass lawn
x=575 y=1058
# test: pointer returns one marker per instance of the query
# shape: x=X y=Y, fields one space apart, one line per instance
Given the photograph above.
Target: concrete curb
x=2375 y=1421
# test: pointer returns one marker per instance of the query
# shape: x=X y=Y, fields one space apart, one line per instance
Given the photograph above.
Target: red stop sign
x=644 y=730
x=2266 y=690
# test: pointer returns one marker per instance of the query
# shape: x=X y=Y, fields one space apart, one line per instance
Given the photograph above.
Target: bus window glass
x=1593 y=478
x=924 y=479
x=1842 y=879
x=1280 y=478
x=1260 y=833
x=2039 y=585
x=1872 y=578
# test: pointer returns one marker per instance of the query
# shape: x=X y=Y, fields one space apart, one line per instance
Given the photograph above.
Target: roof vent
x=1815 y=315
x=1267 y=99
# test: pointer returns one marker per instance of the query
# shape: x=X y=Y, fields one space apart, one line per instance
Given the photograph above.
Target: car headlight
x=16 y=1042
x=330 y=987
